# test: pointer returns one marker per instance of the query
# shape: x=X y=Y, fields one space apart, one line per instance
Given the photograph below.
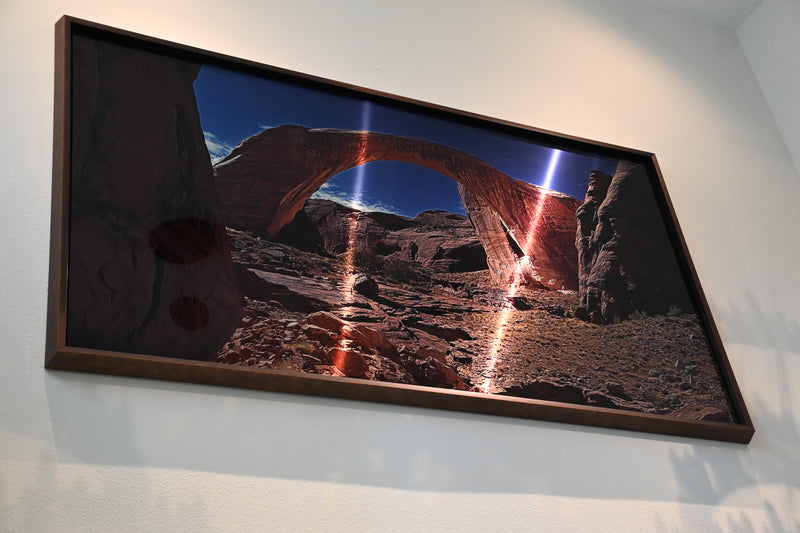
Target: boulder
x=546 y=390
x=363 y=336
x=365 y=285
x=348 y=361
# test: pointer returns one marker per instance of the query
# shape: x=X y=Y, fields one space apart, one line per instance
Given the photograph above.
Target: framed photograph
x=224 y=222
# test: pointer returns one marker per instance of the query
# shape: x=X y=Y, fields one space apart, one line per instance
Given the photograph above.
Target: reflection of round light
x=189 y=313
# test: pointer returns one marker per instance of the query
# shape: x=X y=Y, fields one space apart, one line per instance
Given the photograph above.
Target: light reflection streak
x=357 y=195
x=522 y=267
x=349 y=262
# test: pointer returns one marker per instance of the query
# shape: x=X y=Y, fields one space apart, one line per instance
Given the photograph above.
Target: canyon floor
x=401 y=323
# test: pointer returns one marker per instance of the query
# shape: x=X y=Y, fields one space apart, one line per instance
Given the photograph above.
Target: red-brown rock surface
x=267 y=179
x=547 y=257
x=457 y=330
x=445 y=242
x=150 y=268
x=626 y=264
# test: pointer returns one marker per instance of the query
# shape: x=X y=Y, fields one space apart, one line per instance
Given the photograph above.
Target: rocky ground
x=355 y=314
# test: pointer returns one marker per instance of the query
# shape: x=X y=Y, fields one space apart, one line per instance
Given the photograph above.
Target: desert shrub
x=637 y=315
x=652 y=396
x=674 y=310
x=366 y=260
x=402 y=271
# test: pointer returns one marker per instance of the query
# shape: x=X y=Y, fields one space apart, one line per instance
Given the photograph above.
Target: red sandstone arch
x=266 y=180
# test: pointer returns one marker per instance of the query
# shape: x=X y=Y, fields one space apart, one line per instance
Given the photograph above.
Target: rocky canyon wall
x=267 y=179
x=150 y=269
x=545 y=258
x=625 y=261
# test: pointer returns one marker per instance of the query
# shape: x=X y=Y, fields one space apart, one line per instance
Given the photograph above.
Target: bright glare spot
x=551 y=168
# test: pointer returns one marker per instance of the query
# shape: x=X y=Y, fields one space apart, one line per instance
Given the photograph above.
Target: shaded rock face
x=625 y=263
x=150 y=269
x=267 y=179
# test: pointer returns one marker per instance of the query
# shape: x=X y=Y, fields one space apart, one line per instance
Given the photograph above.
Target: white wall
x=770 y=38
x=83 y=452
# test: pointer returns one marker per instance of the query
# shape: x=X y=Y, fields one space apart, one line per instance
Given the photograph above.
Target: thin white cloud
x=217 y=149
x=332 y=193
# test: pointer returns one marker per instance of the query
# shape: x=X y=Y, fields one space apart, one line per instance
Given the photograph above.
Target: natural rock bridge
x=150 y=268
x=267 y=179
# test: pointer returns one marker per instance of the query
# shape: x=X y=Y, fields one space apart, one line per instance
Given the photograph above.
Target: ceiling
x=725 y=13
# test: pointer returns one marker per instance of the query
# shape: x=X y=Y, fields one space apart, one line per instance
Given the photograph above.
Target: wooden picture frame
x=224 y=222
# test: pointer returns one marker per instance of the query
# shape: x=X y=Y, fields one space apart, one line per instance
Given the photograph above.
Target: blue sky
x=234 y=106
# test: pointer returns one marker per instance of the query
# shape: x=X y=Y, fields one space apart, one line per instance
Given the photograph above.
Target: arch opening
x=398 y=188
x=266 y=181
x=376 y=210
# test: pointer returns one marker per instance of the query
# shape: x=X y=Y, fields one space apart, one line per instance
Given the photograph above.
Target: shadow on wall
x=769 y=500
x=755 y=493
x=124 y=421
x=764 y=486
x=77 y=500
x=752 y=325
x=129 y=422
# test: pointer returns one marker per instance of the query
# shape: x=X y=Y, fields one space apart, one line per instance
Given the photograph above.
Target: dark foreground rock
x=150 y=269
x=625 y=262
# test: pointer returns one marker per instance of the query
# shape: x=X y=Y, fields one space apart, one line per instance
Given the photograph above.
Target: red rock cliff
x=626 y=264
x=150 y=270
x=266 y=180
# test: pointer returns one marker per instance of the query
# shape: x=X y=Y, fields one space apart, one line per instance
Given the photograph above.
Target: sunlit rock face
x=266 y=181
x=149 y=269
x=626 y=264
x=546 y=256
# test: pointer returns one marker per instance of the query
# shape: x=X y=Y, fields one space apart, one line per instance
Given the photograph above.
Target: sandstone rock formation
x=267 y=179
x=456 y=330
x=444 y=242
x=150 y=269
x=626 y=264
x=545 y=258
